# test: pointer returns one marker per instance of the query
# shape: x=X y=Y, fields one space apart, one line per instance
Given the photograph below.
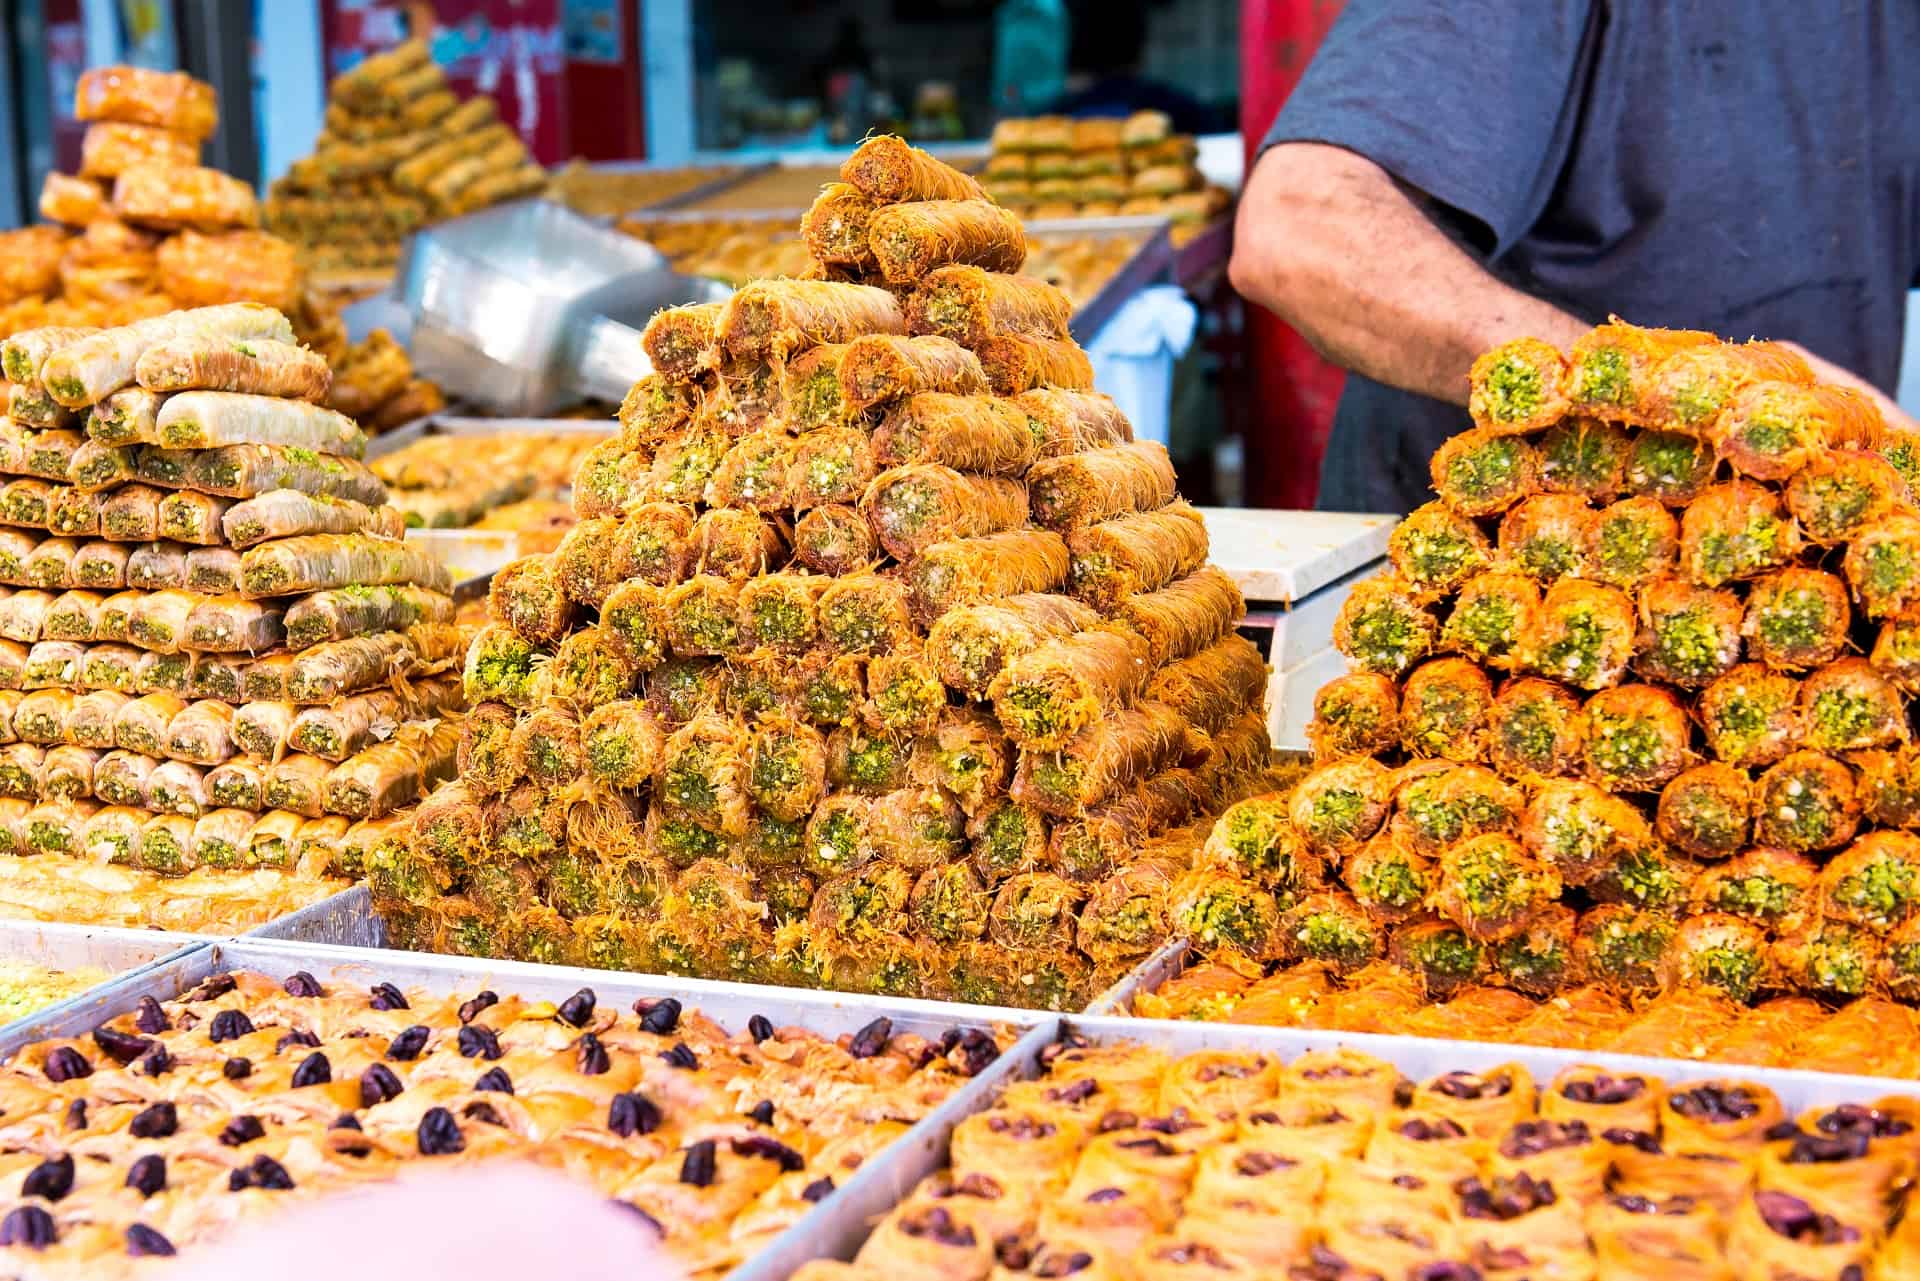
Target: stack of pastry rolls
x=882 y=656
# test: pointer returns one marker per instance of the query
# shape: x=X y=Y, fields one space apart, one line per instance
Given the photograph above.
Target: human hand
x=1828 y=372
x=500 y=1222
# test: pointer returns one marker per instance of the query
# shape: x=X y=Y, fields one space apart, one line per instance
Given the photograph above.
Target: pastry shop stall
x=867 y=823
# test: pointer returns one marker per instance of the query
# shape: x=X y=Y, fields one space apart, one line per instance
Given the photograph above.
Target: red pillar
x=1294 y=390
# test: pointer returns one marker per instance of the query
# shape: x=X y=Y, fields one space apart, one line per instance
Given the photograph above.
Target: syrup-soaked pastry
x=1603 y=1175
x=250 y=1093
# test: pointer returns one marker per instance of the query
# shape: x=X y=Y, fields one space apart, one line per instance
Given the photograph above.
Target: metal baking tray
x=829 y=1013
x=837 y=1223
x=1148 y=974
x=122 y=953
x=346 y=919
x=855 y=1208
x=1151 y=264
x=1819 y=1087
x=712 y=187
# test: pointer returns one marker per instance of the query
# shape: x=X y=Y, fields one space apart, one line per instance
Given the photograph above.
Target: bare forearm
x=1326 y=239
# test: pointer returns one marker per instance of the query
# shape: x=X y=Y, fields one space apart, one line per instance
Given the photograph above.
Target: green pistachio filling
x=1605 y=377
x=1490 y=469
x=1734 y=970
x=1513 y=389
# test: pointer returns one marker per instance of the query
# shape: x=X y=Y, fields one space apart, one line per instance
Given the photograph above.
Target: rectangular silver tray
x=858 y=1206
x=1169 y=961
x=122 y=953
x=346 y=919
x=838 y=1222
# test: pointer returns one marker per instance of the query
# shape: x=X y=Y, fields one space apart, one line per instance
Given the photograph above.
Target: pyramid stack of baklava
x=399 y=151
x=882 y=656
x=1631 y=708
x=216 y=651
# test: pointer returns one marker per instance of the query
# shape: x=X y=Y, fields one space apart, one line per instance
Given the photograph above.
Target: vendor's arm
x=1346 y=255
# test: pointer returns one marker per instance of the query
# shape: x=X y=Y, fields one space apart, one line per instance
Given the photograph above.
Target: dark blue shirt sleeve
x=1474 y=102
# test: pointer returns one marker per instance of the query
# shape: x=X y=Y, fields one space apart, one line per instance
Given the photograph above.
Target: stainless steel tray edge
x=1148 y=974
x=842 y=1223
x=1422 y=1057
x=839 y=1222
x=1151 y=263
x=836 y=1227
x=345 y=919
x=729 y=1003
x=127 y=954
x=711 y=187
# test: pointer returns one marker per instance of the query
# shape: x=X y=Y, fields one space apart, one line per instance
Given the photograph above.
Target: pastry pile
x=882 y=656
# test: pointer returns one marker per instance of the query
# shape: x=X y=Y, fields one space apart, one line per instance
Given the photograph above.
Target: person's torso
x=1748 y=167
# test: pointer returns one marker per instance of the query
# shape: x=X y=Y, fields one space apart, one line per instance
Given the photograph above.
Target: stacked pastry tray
x=164 y=966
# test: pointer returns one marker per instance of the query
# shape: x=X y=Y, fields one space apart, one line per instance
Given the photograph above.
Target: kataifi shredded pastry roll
x=1631 y=542
x=1585 y=456
x=1610 y=368
x=1691 y=387
x=811 y=385
x=777 y=319
x=1136 y=553
x=910 y=240
x=1081 y=488
x=1046 y=696
x=835 y=227
x=914 y=506
x=887 y=170
x=972 y=433
x=1212 y=688
x=1483 y=472
x=947 y=575
x=755 y=473
x=1516 y=387
x=1017 y=363
x=1770 y=430
x=1110 y=754
x=1842 y=492
x=1065 y=421
x=971 y=304
x=1436 y=549
x=680 y=340
x=833 y=465
x=972 y=644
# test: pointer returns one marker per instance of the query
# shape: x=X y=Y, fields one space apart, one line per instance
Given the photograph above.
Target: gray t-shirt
x=1743 y=166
